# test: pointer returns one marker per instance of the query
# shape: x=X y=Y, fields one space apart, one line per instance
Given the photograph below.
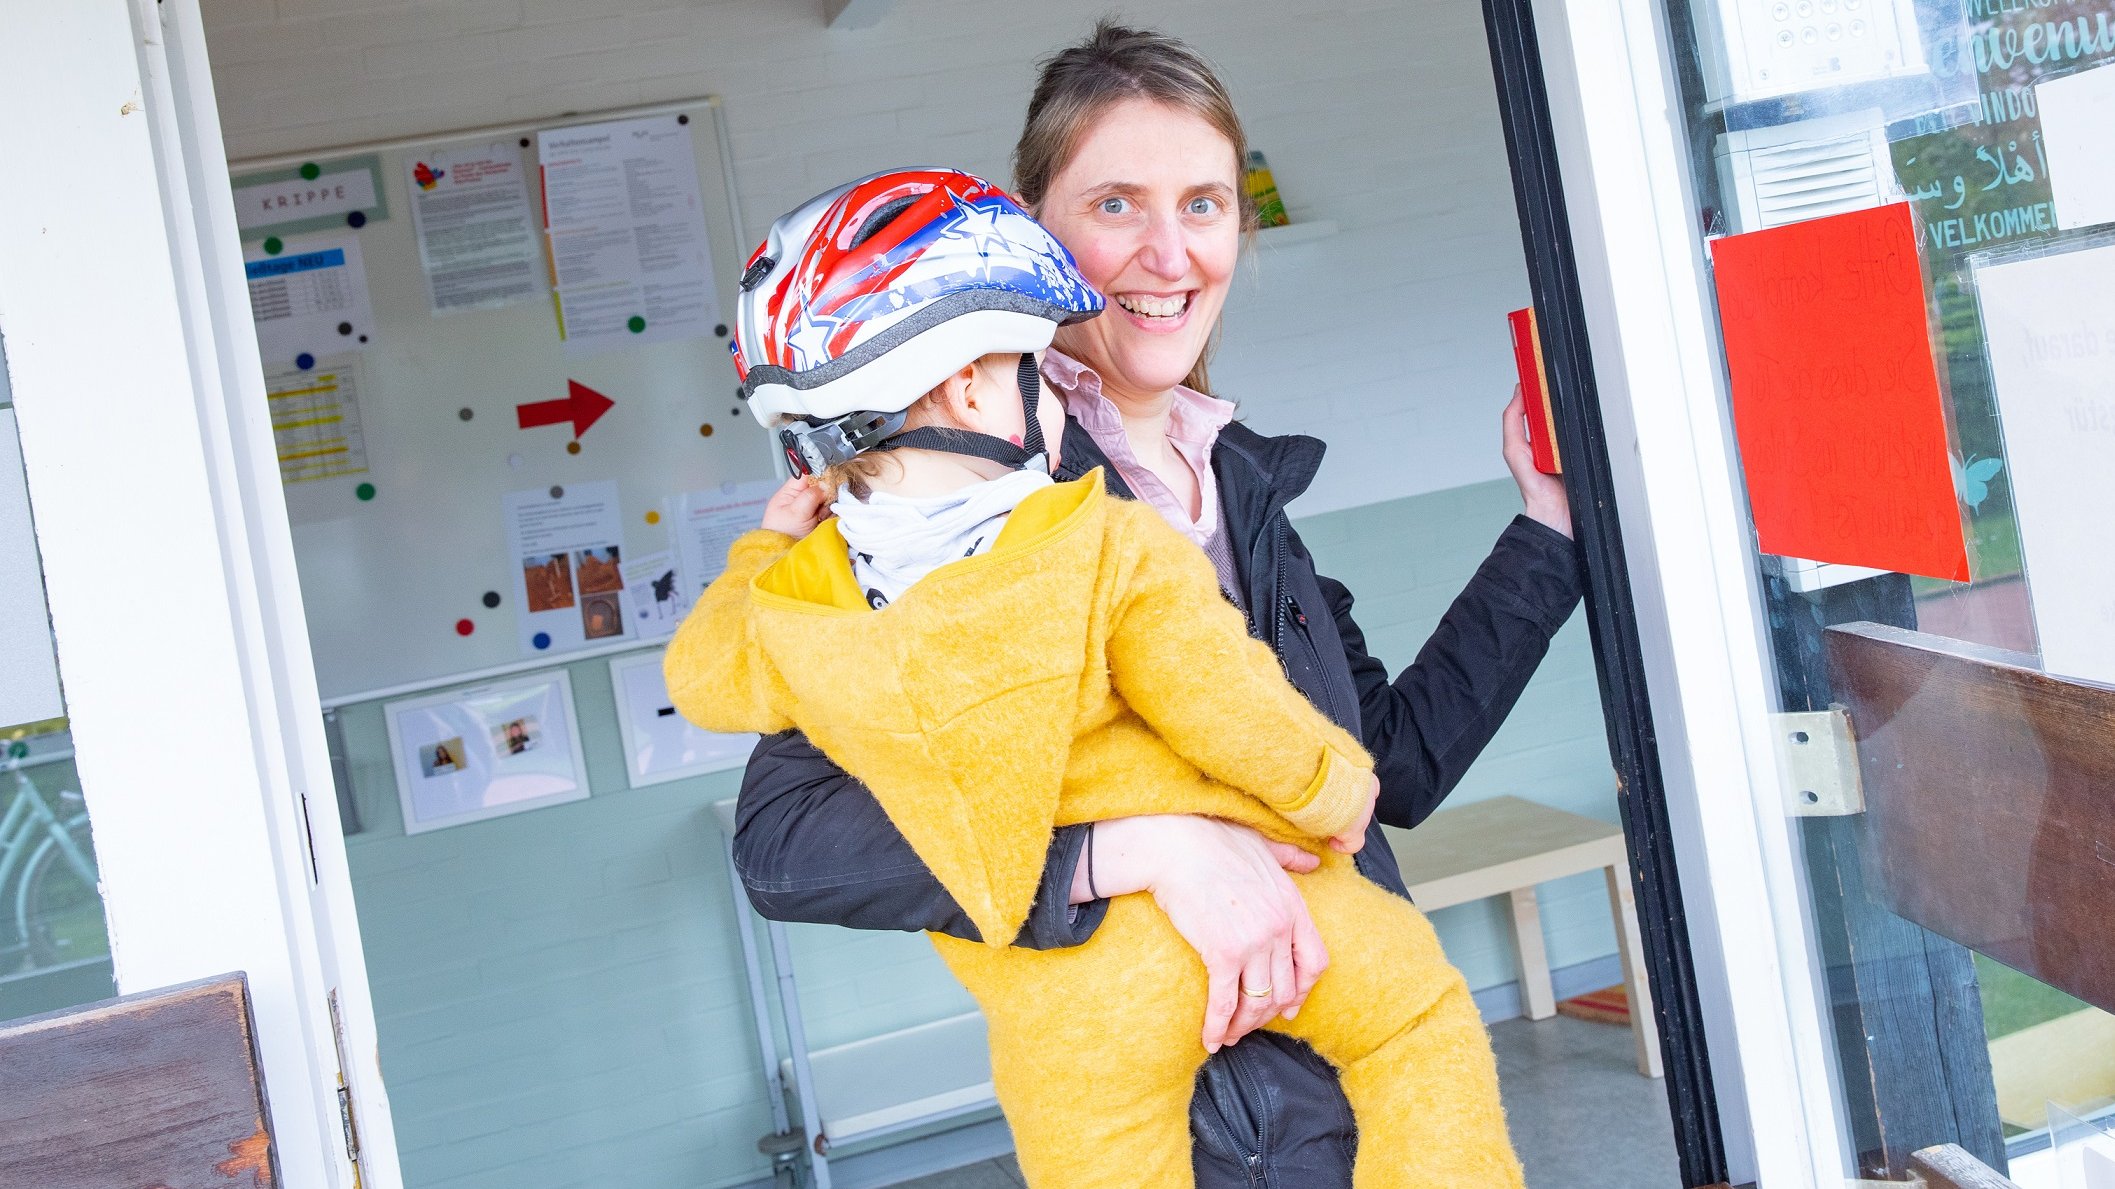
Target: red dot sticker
x=464 y=627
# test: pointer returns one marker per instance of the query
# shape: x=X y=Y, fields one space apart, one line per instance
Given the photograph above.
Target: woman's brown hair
x=1113 y=64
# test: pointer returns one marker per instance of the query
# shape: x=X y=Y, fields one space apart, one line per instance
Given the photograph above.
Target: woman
x=1131 y=155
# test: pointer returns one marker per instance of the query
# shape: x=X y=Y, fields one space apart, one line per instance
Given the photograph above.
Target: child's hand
x=795 y=508
x=1354 y=836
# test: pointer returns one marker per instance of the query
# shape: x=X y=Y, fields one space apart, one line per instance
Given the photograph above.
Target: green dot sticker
x=310 y=172
x=17 y=750
x=636 y=323
x=365 y=491
x=272 y=245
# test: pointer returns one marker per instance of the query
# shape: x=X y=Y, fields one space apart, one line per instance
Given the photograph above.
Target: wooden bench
x=160 y=1088
x=1504 y=847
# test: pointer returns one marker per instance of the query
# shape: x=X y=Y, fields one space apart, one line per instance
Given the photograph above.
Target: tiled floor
x=1581 y=1116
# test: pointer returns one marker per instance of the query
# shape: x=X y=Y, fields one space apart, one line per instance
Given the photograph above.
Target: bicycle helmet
x=865 y=298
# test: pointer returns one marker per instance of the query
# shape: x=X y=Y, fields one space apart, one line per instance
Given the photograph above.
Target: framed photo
x=487 y=751
x=659 y=744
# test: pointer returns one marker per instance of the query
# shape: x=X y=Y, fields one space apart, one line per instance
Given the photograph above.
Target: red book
x=1535 y=391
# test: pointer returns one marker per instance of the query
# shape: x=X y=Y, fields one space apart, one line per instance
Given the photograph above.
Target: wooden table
x=1505 y=846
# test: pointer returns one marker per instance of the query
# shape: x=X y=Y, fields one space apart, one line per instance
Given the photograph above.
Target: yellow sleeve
x=1181 y=656
x=717 y=674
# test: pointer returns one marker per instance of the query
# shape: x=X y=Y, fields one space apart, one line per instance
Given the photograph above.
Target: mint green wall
x=560 y=992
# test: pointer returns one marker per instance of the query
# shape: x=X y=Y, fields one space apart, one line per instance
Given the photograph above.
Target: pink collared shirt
x=1194 y=423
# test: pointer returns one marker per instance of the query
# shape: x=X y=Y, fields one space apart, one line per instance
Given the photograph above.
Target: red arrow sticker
x=583 y=406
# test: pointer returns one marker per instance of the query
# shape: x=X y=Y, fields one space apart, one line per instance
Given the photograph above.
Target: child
x=995 y=655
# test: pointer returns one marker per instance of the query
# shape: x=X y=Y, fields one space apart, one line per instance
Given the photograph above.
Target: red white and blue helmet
x=866 y=297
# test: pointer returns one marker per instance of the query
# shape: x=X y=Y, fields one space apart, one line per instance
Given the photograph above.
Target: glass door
x=1909 y=231
x=54 y=946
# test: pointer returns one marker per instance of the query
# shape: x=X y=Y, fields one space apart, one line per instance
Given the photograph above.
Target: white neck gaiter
x=895 y=541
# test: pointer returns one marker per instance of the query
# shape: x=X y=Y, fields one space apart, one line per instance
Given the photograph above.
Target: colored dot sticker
x=653 y=517
x=17 y=750
x=491 y=598
x=683 y=119
x=705 y=430
x=720 y=330
x=572 y=447
x=365 y=491
x=524 y=142
x=464 y=414
x=734 y=412
x=557 y=492
x=344 y=328
x=635 y=324
x=310 y=171
x=304 y=361
x=541 y=640
x=464 y=627
x=273 y=245
x=356 y=219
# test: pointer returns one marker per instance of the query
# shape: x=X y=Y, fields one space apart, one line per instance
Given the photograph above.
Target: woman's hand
x=795 y=508
x=1225 y=889
x=1543 y=494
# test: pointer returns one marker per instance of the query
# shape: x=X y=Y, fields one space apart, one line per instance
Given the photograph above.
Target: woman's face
x=1148 y=207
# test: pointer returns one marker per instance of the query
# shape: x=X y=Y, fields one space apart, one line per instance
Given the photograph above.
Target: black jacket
x=813 y=845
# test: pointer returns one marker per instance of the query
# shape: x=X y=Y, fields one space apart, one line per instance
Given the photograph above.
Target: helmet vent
x=882 y=218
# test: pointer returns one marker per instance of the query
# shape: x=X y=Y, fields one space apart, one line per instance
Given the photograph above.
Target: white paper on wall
x=565 y=542
x=2050 y=328
x=2077 y=111
x=625 y=217
x=477 y=236
x=309 y=299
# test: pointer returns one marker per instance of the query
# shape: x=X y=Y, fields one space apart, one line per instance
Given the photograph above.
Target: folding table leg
x=1631 y=943
x=1537 y=997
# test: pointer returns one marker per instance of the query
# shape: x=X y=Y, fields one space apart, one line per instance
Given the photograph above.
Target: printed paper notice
x=626 y=225
x=2050 y=326
x=655 y=595
x=316 y=420
x=569 y=579
x=707 y=522
x=309 y=299
x=477 y=238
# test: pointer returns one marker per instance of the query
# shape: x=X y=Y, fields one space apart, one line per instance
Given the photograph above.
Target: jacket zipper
x=1289 y=613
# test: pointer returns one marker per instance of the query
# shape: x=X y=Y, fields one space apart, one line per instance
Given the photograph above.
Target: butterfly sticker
x=427 y=177
x=1971 y=479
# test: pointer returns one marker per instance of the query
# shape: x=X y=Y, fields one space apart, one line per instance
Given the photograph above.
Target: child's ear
x=962 y=397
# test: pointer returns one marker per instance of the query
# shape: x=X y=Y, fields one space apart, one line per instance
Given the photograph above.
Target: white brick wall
x=1388 y=339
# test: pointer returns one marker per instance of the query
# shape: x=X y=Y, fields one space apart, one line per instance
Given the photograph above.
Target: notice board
x=404 y=544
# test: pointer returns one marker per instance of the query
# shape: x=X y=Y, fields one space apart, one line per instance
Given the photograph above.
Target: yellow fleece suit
x=1087 y=668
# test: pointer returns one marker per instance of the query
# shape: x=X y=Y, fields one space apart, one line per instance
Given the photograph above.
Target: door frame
x=1672 y=508
x=168 y=559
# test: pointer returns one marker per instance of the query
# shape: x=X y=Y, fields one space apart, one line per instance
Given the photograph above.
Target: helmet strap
x=1012 y=455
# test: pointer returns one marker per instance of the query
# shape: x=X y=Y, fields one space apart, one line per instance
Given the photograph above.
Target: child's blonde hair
x=853 y=475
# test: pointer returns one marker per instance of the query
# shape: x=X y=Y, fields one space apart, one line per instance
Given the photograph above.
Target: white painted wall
x=1388 y=339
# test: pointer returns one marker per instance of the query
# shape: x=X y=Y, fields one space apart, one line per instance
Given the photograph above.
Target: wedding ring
x=1255 y=994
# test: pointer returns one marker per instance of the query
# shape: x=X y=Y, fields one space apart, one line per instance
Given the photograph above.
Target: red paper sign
x=1835 y=396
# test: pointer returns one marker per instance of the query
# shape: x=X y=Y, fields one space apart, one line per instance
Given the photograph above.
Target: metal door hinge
x=1819 y=759
x=345 y=1099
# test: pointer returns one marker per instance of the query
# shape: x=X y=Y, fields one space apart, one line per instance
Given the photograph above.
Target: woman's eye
x=1204 y=206
x=1113 y=206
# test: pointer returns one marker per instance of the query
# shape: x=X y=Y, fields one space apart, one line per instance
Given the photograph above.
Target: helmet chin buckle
x=815 y=446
